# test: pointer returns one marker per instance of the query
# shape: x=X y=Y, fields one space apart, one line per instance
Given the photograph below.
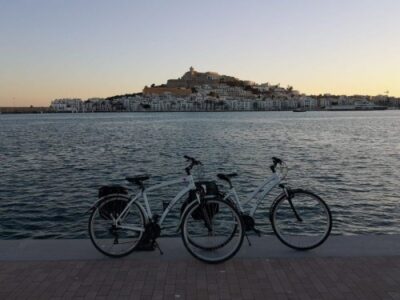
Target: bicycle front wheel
x=213 y=232
x=114 y=239
x=302 y=223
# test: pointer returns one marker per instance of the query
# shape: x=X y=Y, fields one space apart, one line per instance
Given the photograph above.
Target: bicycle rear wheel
x=306 y=224
x=112 y=239
x=217 y=239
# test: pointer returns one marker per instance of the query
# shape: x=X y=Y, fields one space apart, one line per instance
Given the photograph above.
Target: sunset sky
x=54 y=49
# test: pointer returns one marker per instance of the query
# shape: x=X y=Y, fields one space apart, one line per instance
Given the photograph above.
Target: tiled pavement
x=239 y=278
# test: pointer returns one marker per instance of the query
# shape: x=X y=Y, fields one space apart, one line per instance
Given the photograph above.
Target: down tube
x=273 y=183
x=172 y=203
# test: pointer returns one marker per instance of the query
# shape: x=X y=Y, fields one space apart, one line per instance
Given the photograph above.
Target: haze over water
x=52 y=165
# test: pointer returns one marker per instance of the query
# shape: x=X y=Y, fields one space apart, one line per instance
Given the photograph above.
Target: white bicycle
x=119 y=223
x=299 y=218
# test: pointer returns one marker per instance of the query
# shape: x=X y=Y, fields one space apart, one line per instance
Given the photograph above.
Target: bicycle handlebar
x=193 y=162
x=275 y=162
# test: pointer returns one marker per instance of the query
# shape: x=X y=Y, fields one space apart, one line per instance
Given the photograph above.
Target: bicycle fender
x=279 y=197
x=184 y=212
x=97 y=203
x=141 y=207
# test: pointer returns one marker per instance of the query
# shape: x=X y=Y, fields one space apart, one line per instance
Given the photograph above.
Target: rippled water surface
x=52 y=165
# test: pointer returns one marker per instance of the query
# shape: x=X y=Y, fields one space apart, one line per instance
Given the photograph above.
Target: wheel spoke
x=103 y=232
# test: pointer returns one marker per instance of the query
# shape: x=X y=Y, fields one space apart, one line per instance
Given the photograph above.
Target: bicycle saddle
x=226 y=177
x=138 y=179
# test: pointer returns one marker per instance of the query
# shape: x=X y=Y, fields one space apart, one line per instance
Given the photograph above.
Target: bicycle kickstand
x=158 y=247
x=248 y=240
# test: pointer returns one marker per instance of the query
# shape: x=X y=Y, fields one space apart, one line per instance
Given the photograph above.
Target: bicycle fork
x=289 y=196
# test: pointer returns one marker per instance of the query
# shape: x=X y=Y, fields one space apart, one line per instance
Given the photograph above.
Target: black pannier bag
x=211 y=192
x=116 y=206
x=112 y=189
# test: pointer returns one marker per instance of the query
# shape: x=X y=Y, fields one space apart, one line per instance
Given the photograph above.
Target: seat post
x=141 y=185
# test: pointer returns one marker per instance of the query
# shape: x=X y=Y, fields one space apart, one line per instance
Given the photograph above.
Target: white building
x=67 y=105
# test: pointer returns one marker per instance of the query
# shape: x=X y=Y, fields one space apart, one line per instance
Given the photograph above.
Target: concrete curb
x=264 y=247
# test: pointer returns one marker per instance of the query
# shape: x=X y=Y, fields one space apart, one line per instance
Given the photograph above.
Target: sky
x=56 y=49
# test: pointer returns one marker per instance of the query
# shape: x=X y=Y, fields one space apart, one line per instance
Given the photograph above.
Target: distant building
x=210 y=91
x=224 y=90
x=67 y=105
x=193 y=78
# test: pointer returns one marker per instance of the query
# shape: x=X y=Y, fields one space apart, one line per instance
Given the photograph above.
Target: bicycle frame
x=261 y=191
x=190 y=185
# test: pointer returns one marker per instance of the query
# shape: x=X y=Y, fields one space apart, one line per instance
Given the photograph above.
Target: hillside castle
x=183 y=86
x=194 y=78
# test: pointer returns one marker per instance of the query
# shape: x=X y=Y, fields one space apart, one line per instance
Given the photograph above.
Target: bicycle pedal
x=258 y=232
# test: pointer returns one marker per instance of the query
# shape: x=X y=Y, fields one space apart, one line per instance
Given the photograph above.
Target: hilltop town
x=210 y=91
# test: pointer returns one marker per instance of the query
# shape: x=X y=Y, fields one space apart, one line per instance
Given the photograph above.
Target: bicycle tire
x=306 y=212
x=226 y=209
x=97 y=211
x=222 y=243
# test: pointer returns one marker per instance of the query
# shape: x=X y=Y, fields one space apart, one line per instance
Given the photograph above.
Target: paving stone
x=291 y=278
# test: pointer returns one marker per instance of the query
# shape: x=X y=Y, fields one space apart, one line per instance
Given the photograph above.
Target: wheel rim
x=311 y=230
x=112 y=239
x=219 y=243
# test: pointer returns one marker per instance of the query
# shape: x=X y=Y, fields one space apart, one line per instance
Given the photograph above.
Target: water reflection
x=52 y=165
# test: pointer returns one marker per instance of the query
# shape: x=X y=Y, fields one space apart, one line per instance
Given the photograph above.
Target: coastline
x=192 y=111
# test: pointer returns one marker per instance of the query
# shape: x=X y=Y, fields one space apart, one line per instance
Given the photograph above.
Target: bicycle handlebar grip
x=193 y=160
x=276 y=160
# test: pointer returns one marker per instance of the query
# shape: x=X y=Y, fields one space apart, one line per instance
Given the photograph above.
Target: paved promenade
x=364 y=267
